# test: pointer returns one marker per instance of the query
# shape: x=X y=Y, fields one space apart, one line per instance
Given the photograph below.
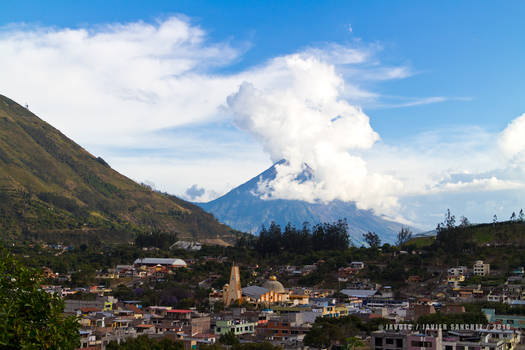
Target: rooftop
x=160 y=261
x=254 y=291
x=359 y=293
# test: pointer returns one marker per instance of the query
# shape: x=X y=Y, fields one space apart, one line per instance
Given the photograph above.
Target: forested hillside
x=50 y=186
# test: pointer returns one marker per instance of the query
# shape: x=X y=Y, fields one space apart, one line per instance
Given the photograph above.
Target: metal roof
x=178 y=311
x=254 y=292
x=160 y=261
x=359 y=293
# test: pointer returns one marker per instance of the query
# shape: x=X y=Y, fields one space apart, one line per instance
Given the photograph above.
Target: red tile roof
x=180 y=311
x=89 y=309
x=135 y=309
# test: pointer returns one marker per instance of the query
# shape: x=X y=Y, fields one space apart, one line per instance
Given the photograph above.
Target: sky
x=407 y=108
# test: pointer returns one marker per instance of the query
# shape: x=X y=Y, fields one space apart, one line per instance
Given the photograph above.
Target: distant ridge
x=50 y=186
x=243 y=210
x=430 y=233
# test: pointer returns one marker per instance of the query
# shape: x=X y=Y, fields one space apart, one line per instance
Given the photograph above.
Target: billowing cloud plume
x=512 y=140
x=305 y=121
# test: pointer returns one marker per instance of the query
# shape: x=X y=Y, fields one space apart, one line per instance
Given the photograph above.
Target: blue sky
x=468 y=49
x=459 y=84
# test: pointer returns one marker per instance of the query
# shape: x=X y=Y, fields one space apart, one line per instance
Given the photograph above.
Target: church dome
x=273 y=284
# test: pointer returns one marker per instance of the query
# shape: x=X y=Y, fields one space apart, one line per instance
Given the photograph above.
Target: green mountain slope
x=505 y=233
x=51 y=185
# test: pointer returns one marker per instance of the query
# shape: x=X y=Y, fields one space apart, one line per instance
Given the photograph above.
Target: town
x=262 y=175
x=233 y=299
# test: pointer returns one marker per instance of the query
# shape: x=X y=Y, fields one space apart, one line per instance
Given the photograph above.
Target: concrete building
x=362 y=294
x=514 y=321
x=280 y=328
x=437 y=339
x=238 y=327
x=359 y=265
x=481 y=269
x=427 y=341
x=382 y=340
x=453 y=281
x=457 y=271
x=166 y=262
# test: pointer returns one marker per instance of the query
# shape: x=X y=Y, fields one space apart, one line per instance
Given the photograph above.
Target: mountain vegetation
x=50 y=187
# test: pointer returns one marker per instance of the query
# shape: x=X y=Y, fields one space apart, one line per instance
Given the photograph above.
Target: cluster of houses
x=283 y=316
x=511 y=292
x=286 y=323
x=457 y=274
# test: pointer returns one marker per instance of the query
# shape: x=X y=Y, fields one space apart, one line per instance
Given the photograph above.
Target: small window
x=399 y=343
x=379 y=341
x=389 y=341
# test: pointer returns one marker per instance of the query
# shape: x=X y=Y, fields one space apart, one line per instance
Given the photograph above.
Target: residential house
x=238 y=327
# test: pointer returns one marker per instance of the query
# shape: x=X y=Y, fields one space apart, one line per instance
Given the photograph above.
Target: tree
x=513 y=216
x=403 y=236
x=521 y=216
x=352 y=342
x=448 y=224
x=464 y=222
x=143 y=342
x=30 y=318
x=229 y=339
x=450 y=220
x=372 y=239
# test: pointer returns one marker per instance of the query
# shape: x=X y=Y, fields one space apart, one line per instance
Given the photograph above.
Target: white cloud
x=512 y=140
x=414 y=102
x=130 y=91
x=483 y=184
x=339 y=54
x=305 y=121
x=114 y=81
x=115 y=89
x=197 y=194
x=462 y=169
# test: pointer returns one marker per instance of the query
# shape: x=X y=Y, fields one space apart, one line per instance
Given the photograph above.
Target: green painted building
x=238 y=327
x=513 y=321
